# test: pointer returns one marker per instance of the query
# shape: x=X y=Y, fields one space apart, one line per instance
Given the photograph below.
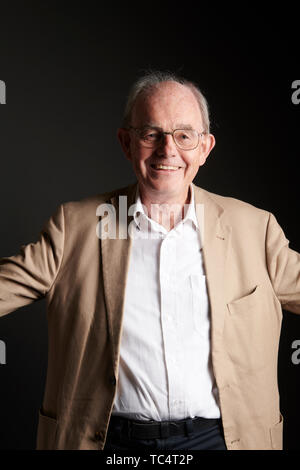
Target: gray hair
x=151 y=80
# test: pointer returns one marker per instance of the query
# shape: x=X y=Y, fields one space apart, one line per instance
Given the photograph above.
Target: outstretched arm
x=284 y=267
x=29 y=275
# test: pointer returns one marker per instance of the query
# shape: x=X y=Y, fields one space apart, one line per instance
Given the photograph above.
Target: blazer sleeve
x=29 y=275
x=283 y=266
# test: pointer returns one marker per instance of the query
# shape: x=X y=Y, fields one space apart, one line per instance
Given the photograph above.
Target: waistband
x=162 y=429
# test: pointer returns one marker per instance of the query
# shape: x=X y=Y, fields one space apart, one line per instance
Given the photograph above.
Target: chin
x=167 y=189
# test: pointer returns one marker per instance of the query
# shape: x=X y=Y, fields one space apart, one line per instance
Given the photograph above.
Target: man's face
x=171 y=106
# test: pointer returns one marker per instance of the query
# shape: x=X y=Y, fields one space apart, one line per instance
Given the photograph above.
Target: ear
x=207 y=145
x=125 y=140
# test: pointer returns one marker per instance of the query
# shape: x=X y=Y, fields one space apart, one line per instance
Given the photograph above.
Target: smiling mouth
x=165 y=167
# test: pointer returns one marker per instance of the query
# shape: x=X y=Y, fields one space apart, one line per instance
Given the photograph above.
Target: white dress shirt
x=165 y=370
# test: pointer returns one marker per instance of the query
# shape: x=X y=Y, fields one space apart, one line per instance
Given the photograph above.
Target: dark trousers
x=207 y=437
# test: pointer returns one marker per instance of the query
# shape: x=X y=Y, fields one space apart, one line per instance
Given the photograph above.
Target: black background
x=67 y=69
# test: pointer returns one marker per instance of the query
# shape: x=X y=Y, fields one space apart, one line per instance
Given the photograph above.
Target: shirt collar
x=140 y=212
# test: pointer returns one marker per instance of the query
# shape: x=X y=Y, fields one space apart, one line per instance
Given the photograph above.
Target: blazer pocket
x=46 y=432
x=251 y=333
x=244 y=303
x=276 y=433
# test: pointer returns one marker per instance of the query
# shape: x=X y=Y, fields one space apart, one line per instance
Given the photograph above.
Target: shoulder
x=85 y=209
x=91 y=202
x=235 y=210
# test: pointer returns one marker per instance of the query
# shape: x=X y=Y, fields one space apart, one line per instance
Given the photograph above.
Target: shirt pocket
x=200 y=306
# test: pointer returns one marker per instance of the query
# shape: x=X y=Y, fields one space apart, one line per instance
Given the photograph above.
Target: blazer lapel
x=115 y=262
x=216 y=234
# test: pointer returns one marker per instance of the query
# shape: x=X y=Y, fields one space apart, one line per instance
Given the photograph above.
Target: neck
x=166 y=210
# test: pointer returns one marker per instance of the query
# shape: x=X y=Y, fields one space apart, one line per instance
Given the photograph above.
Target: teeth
x=165 y=167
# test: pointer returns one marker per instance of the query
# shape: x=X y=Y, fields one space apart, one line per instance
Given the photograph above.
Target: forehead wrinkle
x=153 y=125
x=184 y=126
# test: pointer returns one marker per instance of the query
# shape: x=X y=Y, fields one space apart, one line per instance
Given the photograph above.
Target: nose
x=167 y=147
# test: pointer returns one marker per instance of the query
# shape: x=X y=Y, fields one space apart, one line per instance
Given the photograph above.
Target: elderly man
x=164 y=336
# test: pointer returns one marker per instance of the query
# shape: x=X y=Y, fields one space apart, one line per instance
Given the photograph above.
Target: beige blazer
x=251 y=273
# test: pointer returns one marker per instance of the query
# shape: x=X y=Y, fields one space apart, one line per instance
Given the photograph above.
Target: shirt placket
x=170 y=330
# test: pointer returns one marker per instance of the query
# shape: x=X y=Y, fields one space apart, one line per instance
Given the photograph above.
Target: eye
x=151 y=135
x=184 y=135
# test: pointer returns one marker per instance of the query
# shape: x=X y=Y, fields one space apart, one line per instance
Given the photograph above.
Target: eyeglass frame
x=138 y=130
